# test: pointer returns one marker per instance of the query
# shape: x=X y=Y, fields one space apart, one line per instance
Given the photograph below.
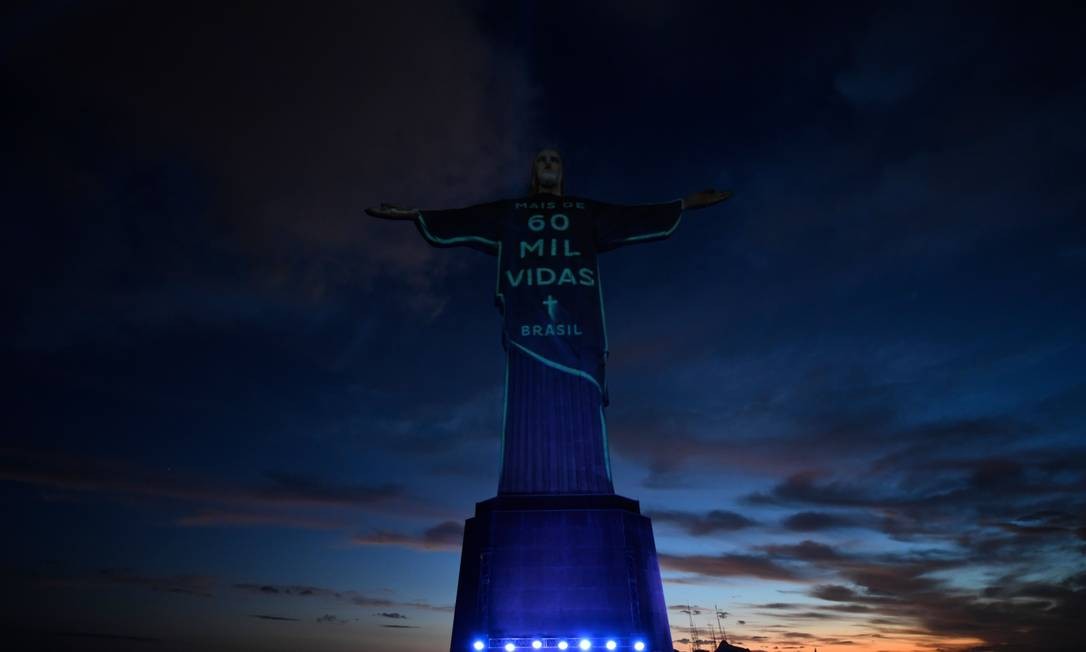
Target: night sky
x=244 y=416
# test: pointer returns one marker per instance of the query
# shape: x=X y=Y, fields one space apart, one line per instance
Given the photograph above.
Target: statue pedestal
x=559 y=568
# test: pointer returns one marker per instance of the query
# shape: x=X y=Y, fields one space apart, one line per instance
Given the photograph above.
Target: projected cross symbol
x=550 y=302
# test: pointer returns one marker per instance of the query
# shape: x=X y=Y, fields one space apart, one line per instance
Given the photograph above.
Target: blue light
x=509 y=647
x=562 y=645
x=536 y=644
x=584 y=644
x=611 y=645
x=478 y=645
x=639 y=646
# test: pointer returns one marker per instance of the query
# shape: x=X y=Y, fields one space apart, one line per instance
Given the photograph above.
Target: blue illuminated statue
x=556 y=560
x=548 y=289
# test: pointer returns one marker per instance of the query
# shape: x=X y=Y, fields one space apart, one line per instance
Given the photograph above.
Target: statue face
x=548 y=170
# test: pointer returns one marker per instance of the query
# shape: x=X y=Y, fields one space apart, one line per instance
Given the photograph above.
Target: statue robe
x=554 y=434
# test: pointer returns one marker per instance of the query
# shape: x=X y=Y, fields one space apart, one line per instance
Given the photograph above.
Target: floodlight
x=562 y=645
x=478 y=645
x=611 y=645
x=639 y=646
x=584 y=644
x=536 y=644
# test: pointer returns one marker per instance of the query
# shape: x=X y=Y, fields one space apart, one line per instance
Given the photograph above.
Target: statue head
x=547 y=172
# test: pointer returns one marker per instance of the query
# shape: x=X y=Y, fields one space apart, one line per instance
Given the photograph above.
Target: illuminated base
x=553 y=569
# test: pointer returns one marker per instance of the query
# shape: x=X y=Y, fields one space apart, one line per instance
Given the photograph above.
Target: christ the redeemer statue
x=554 y=435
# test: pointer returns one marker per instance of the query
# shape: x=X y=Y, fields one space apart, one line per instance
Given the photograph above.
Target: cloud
x=294 y=217
x=395 y=615
x=329 y=619
x=266 y=617
x=186 y=584
x=962 y=487
x=777 y=605
x=444 y=536
x=290 y=488
x=351 y=597
x=283 y=499
x=703 y=524
x=108 y=636
x=689 y=608
x=915 y=590
x=766 y=430
x=226 y=518
x=803 y=551
x=825 y=409
x=834 y=593
x=886 y=69
x=814 y=521
x=901 y=594
x=108 y=476
x=932 y=591
x=802 y=488
x=728 y=565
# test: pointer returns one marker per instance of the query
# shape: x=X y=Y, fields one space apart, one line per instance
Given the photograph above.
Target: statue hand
x=392 y=212
x=705 y=198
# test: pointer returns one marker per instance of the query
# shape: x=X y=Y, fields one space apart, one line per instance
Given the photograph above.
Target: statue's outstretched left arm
x=705 y=198
x=620 y=225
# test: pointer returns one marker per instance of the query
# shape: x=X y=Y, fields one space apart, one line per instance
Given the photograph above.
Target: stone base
x=559 y=568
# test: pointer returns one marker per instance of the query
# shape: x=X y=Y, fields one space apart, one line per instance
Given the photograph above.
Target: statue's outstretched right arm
x=392 y=212
x=474 y=226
